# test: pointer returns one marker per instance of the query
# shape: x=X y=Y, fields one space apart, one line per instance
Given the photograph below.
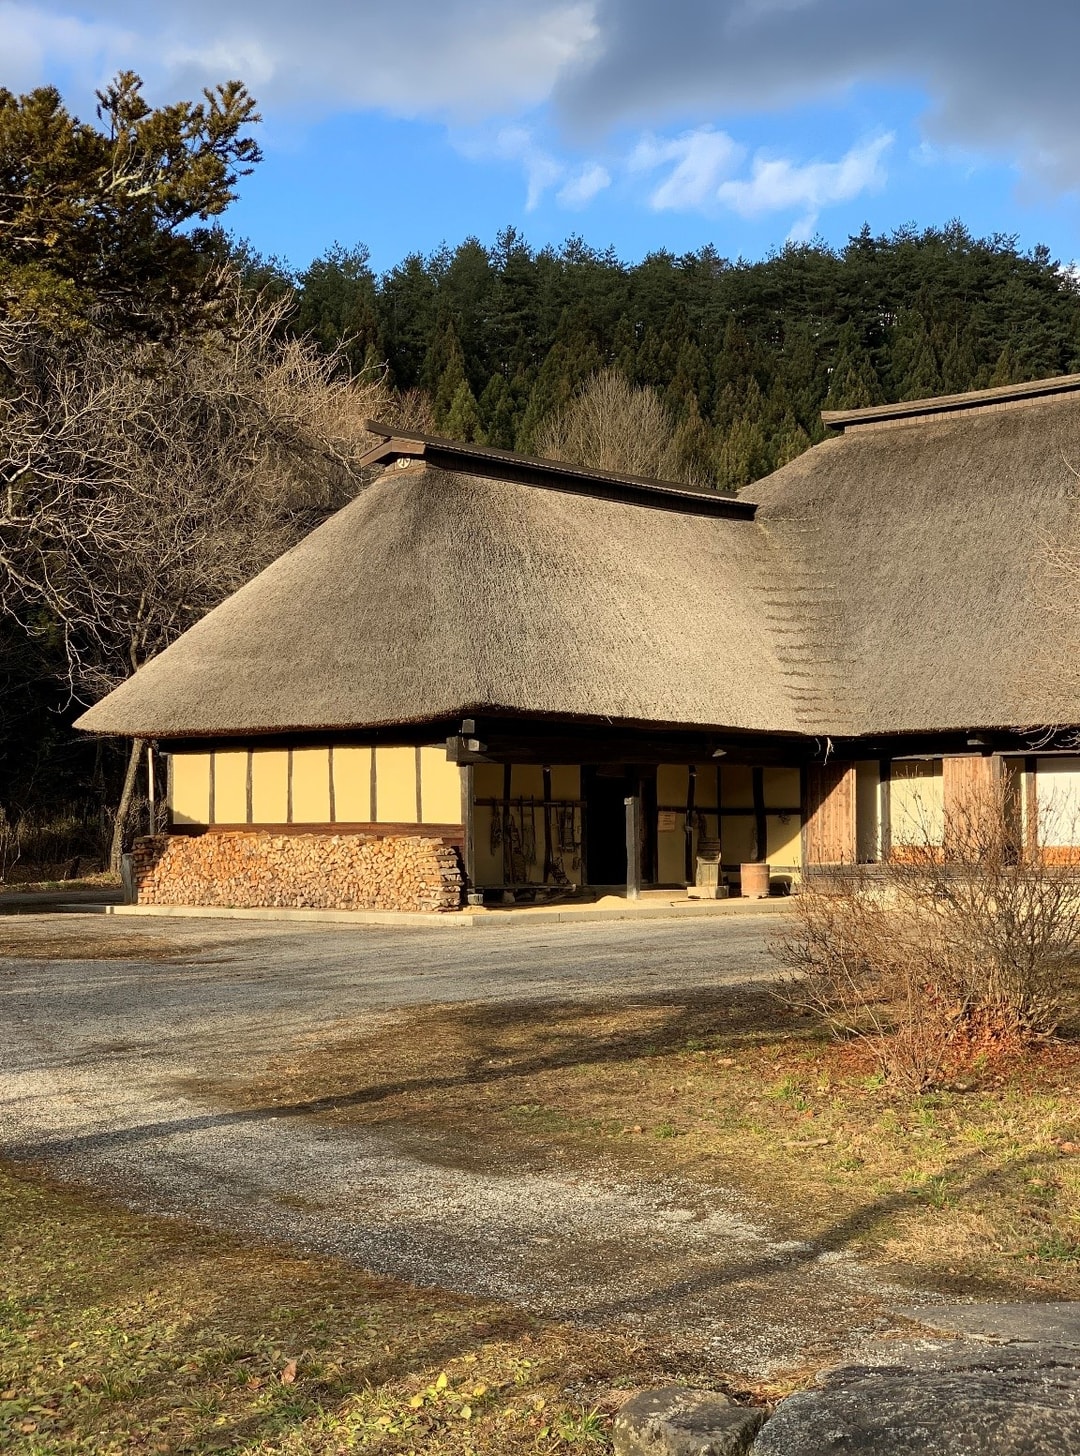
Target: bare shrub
x=613 y=425
x=948 y=950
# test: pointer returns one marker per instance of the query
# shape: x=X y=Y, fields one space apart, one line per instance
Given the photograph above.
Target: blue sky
x=643 y=124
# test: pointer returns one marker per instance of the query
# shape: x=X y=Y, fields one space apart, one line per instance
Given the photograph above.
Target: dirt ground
x=153 y=1063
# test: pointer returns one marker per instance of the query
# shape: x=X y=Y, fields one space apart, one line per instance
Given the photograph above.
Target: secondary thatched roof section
x=438 y=593
x=892 y=580
x=922 y=551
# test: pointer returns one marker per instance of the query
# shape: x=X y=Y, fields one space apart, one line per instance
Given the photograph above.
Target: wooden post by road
x=633 y=846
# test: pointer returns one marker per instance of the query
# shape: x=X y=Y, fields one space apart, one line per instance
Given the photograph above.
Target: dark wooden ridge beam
x=951 y=403
x=551 y=474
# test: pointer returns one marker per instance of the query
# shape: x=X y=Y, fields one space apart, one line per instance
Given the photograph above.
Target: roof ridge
x=553 y=474
x=953 y=403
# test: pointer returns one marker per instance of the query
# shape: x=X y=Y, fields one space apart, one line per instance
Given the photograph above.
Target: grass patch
x=975 y=1187
x=31 y=940
x=30 y=880
x=126 y=1334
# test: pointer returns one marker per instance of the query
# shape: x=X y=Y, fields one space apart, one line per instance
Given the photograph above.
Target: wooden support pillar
x=468 y=819
x=761 y=823
x=633 y=846
x=1031 y=809
x=691 y=797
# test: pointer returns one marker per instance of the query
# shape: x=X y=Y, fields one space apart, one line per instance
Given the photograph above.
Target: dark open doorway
x=605 y=825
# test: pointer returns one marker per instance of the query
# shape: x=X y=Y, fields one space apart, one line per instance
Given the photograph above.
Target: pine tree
x=854 y=382
x=462 y=420
x=694 y=448
x=497 y=414
x=1007 y=368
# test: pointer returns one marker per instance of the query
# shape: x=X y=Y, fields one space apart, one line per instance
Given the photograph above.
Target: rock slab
x=1052 y=1323
x=677 y=1421
x=937 y=1399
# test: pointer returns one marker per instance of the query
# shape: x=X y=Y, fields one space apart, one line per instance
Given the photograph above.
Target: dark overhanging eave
x=551 y=474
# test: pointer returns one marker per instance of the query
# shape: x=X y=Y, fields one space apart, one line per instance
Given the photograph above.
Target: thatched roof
x=922 y=547
x=893 y=579
x=440 y=592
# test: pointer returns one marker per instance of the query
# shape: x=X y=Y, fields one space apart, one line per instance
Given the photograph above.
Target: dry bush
x=946 y=951
x=613 y=425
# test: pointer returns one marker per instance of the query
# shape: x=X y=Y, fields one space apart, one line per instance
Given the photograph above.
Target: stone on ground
x=1037 y=1324
x=940 y=1399
x=677 y=1421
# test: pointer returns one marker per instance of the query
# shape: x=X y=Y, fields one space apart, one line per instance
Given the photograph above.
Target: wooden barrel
x=754 y=881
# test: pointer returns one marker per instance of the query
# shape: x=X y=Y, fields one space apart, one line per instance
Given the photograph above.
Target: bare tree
x=142 y=482
x=614 y=425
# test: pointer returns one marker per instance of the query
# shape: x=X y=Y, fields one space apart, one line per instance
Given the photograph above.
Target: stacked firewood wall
x=309 y=871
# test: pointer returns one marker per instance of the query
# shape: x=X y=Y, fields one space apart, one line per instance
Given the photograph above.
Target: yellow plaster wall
x=672 y=783
x=269 y=786
x=526 y=781
x=190 y=800
x=565 y=781
x=736 y=786
x=395 y=785
x=705 y=786
x=311 y=783
x=440 y=788
x=1057 y=796
x=737 y=839
x=230 y=786
x=310 y=786
x=783 y=788
x=784 y=840
x=867 y=810
x=671 y=853
x=352 y=785
x=916 y=802
x=488 y=780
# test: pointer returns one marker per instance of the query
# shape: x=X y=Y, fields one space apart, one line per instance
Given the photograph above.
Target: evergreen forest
x=745 y=355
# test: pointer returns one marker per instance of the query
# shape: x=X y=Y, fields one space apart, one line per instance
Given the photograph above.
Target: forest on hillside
x=744 y=355
x=176 y=411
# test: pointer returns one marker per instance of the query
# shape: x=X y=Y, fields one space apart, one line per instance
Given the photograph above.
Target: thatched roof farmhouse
x=531 y=645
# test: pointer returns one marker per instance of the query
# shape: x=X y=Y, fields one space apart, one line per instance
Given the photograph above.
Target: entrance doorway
x=605 y=825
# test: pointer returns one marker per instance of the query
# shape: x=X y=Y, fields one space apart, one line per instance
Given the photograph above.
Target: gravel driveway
x=99 y=1048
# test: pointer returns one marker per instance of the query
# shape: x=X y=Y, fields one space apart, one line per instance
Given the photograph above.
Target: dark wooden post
x=468 y=819
x=761 y=823
x=633 y=846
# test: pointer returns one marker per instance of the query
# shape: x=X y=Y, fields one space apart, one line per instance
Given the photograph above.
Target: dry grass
x=122 y=1335
x=32 y=879
x=27 y=940
x=975 y=1186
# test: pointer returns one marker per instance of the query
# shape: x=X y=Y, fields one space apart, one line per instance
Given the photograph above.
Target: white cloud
x=702 y=164
x=584 y=185
x=702 y=158
x=997 y=88
x=1003 y=89
x=517 y=144
x=32 y=40
x=780 y=185
x=463 y=58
